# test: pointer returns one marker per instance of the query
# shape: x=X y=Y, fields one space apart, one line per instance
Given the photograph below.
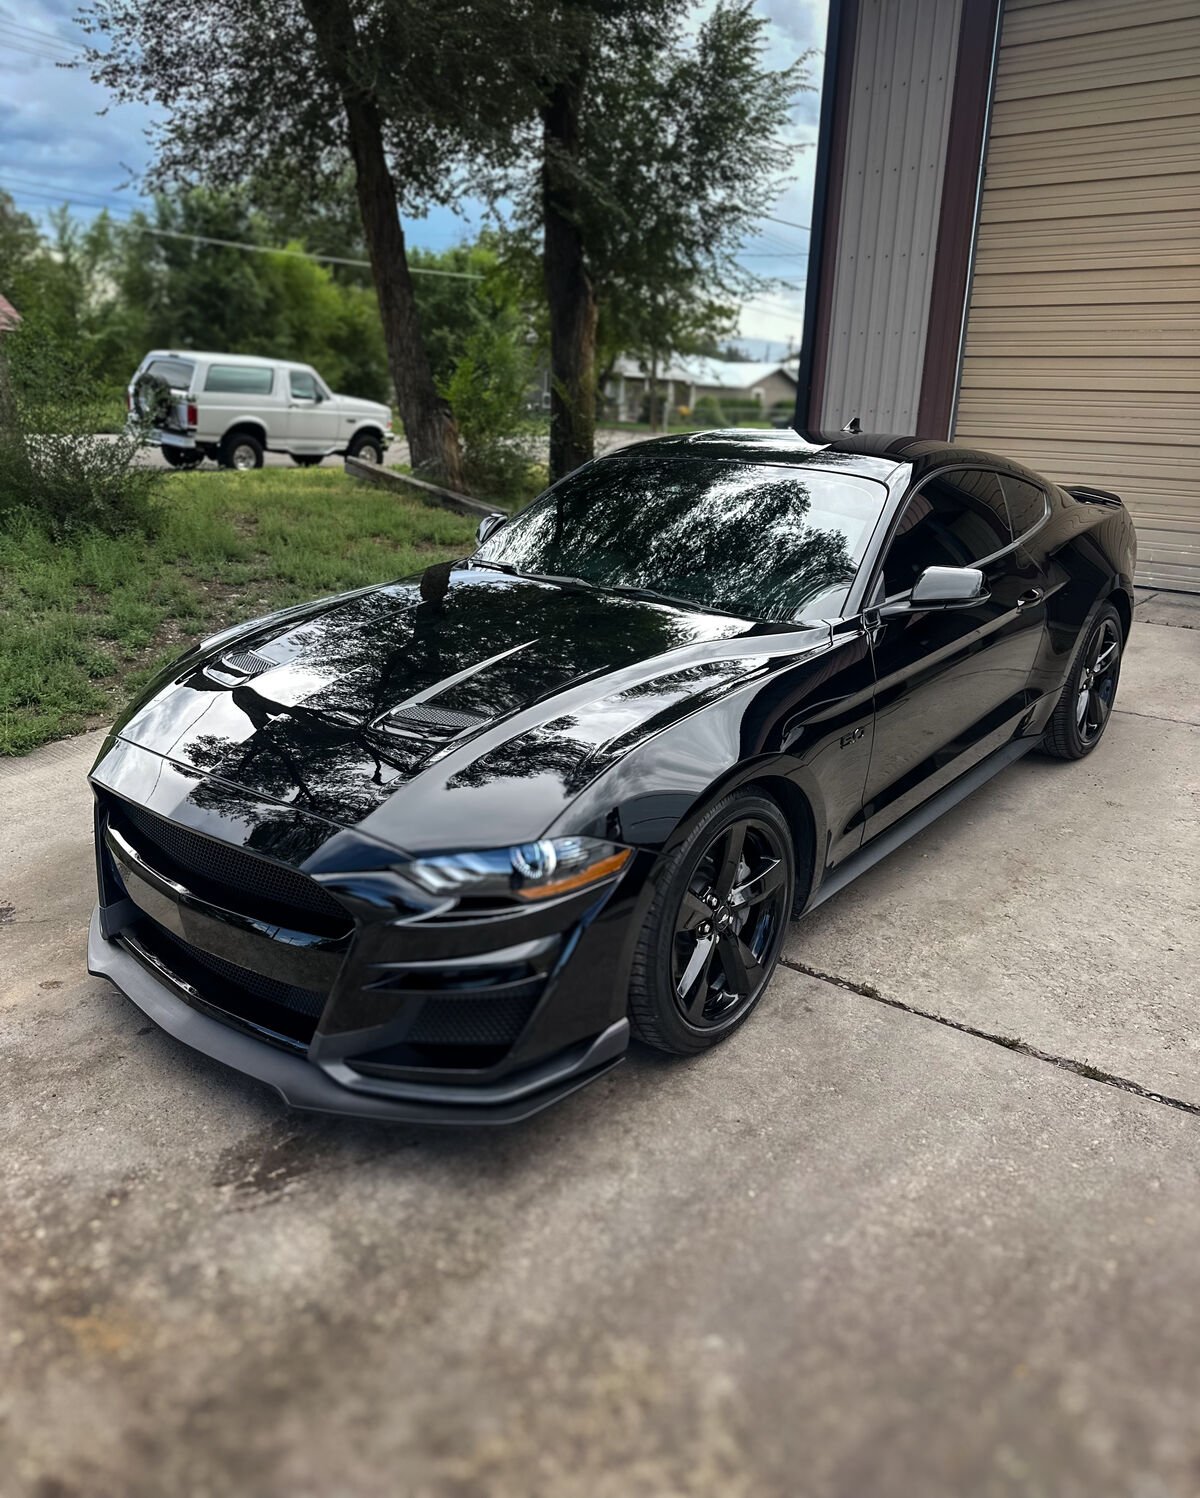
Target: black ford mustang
x=432 y=850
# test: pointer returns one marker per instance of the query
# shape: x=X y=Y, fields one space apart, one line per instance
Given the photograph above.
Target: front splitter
x=304 y=1084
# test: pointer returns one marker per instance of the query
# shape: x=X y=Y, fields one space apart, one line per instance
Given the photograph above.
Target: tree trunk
x=569 y=293
x=428 y=422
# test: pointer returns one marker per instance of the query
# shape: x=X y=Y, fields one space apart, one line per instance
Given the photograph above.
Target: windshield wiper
x=652 y=595
x=561 y=580
x=565 y=580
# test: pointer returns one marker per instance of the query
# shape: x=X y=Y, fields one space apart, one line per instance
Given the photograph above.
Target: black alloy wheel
x=1086 y=703
x=716 y=926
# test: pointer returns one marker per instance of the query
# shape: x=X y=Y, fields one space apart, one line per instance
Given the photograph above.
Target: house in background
x=1006 y=243
x=9 y=316
x=730 y=390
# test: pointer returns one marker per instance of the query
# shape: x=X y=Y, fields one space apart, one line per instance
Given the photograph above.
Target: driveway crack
x=1007 y=1042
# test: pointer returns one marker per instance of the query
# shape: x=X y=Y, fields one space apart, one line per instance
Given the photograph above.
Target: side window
x=240 y=379
x=304 y=385
x=1026 y=504
x=954 y=520
x=175 y=372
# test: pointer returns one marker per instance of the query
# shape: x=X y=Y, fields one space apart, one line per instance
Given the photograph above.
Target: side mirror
x=948 y=588
x=488 y=526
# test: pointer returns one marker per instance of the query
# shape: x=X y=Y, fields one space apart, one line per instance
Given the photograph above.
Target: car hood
x=461 y=703
x=367 y=408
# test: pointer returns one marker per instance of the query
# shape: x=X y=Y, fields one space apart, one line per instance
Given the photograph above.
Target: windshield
x=763 y=541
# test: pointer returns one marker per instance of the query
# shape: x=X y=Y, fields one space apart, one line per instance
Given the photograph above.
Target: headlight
x=532 y=871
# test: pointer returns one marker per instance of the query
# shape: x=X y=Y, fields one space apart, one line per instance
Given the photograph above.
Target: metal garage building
x=1006 y=243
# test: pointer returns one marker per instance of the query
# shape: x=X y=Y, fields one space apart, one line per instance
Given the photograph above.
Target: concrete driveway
x=917 y=1230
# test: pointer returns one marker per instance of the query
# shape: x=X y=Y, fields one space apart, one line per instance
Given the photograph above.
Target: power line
x=55 y=38
x=238 y=244
x=58 y=59
x=787 y=222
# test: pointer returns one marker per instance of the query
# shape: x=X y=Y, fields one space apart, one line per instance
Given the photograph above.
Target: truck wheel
x=241 y=450
x=182 y=457
x=366 y=449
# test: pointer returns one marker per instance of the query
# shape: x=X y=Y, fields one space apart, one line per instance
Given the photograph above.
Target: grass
x=84 y=623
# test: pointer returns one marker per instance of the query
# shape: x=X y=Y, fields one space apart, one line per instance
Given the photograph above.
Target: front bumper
x=335 y=1087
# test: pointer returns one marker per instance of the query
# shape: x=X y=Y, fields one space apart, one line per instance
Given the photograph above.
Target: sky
x=61 y=139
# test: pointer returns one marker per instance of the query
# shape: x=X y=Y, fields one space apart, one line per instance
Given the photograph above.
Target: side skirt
x=917 y=820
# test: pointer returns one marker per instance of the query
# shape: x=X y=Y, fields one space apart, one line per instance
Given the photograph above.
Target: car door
x=952 y=684
x=312 y=420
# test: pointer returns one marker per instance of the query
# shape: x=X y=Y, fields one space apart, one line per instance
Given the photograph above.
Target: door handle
x=1027 y=600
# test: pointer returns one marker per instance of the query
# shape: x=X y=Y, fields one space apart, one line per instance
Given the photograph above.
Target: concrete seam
x=1007 y=1042
x=1129 y=712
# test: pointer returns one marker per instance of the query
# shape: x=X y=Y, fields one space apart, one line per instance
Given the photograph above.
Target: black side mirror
x=488 y=526
x=941 y=588
x=948 y=588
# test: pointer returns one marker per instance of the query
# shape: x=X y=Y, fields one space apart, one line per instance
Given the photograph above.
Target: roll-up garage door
x=1082 y=352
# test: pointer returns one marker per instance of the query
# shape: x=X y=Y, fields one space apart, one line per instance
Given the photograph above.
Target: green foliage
x=54 y=471
x=86 y=620
x=488 y=392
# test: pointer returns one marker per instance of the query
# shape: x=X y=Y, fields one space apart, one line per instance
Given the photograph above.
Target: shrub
x=488 y=392
x=55 y=469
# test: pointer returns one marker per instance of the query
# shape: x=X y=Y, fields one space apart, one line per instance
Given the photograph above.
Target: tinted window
x=1026 y=504
x=758 y=540
x=175 y=372
x=952 y=521
x=240 y=379
x=304 y=385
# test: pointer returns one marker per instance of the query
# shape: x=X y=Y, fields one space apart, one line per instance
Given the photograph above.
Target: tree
x=659 y=151
x=399 y=89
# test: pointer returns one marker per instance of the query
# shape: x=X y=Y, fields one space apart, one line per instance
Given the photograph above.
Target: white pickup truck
x=234 y=408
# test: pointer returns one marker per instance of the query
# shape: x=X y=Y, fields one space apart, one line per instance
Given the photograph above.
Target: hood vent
x=247 y=662
x=423 y=720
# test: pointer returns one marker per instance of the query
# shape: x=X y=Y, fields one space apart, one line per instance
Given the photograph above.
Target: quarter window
x=176 y=373
x=240 y=379
x=954 y=520
x=304 y=385
x=1026 y=504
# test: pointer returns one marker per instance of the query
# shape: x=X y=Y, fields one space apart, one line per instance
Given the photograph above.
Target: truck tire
x=241 y=451
x=367 y=448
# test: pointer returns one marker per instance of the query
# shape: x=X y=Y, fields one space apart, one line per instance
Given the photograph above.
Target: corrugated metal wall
x=1083 y=336
x=895 y=152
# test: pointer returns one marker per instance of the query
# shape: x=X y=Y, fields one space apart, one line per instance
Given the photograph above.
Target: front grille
x=282 y=1009
x=213 y=869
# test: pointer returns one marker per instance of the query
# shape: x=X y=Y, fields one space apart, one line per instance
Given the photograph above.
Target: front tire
x=367 y=449
x=716 y=925
x=241 y=451
x=1085 y=703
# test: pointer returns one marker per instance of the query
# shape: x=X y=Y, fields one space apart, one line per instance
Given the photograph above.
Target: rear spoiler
x=1088 y=495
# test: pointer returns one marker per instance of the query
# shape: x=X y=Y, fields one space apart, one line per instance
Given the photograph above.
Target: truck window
x=304 y=385
x=240 y=379
x=176 y=373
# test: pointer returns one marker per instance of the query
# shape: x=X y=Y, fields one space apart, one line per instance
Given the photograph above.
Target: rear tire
x=182 y=457
x=715 y=927
x=1085 y=704
x=241 y=451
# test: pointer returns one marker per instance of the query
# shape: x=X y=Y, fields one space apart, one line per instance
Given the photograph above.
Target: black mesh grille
x=246 y=662
x=423 y=718
x=474 y=1022
x=173 y=849
x=301 y=1000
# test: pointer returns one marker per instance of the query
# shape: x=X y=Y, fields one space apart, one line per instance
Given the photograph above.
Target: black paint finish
x=472 y=708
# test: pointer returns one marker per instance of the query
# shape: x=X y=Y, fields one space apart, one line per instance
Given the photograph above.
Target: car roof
x=870 y=454
x=183 y=353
